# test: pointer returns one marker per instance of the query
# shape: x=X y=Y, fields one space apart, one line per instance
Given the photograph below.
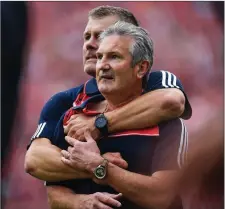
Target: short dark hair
x=123 y=14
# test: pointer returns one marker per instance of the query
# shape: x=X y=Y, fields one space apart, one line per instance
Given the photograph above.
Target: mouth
x=106 y=77
x=91 y=58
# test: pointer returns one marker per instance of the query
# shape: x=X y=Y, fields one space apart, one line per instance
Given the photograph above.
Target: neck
x=120 y=99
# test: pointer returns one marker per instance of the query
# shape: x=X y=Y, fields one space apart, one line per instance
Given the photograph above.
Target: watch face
x=100 y=172
x=101 y=122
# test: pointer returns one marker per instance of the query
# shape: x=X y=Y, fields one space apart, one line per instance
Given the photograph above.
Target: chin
x=90 y=69
x=105 y=89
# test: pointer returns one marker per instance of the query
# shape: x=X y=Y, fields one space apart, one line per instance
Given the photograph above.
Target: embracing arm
x=147 y=110
x=43 y=161
x=165 y=100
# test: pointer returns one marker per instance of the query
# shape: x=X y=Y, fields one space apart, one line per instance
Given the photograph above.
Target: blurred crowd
x=189 y=42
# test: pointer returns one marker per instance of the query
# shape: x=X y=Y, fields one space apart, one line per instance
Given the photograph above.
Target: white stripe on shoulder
x=37 y=130
x=183 y=148
x=175 y=81
x=164 y=79
x=170 y=79
x=42 y=127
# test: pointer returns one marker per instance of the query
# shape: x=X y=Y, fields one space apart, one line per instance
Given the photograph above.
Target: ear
x=142 y=69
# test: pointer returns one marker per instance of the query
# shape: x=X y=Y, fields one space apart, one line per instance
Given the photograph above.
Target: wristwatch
x=101 y=171
x=101 y=123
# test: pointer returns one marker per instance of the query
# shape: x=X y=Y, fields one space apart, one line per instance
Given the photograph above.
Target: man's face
x=91 y=43
x=114 y=73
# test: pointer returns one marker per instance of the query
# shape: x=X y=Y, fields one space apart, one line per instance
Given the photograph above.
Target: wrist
x=97 y=160
x=95 y=133
x=111 y=120
x=99 y=169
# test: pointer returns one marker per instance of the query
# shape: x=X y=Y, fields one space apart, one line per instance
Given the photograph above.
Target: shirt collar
x=91 y=87
x=93 y=99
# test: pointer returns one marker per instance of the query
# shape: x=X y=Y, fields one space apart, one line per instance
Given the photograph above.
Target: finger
x=73 y=130
x=117 y=196
x=88 y=136
x=80 y=135
x=81 y=139
x=70 y=123
x=70 y=140
x=108 y=200
x=113 y=154
x=120 y=162
x=116 y=154
x=66 y=161
x=101 y=205
x=74 y=136
x=67 y=128
x=116 y=160
x=65 y=154
x=71 y=134
x=70 y=149
x=73 y=117
x=114 y=196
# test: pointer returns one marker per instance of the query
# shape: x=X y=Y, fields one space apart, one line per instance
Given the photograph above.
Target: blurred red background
x=188 y=40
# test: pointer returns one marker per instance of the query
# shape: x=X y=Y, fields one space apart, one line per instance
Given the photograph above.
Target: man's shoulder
x=67 y=95
x=63 y=100
x=160 y=73
x=89 y=87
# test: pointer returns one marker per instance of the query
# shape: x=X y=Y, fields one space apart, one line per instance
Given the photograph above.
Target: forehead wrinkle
x=115 y=44
x=99 y=25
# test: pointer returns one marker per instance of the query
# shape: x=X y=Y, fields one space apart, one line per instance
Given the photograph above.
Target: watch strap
x=104 y=130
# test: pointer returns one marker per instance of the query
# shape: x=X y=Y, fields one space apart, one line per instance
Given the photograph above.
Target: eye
x=99 y=56
x=97 y=36
x=87 y=37
x=114 y=56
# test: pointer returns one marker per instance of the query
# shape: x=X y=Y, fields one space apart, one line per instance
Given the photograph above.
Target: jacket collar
x=91 y=87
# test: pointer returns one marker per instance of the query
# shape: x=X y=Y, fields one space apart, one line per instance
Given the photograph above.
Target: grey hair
x=104 y=11
x=142 y=47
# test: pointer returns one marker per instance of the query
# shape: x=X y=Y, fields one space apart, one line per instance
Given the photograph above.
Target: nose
x=92 y=44
x=103 y=64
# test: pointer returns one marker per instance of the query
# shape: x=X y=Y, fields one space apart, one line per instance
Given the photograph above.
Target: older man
x=154 y=155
